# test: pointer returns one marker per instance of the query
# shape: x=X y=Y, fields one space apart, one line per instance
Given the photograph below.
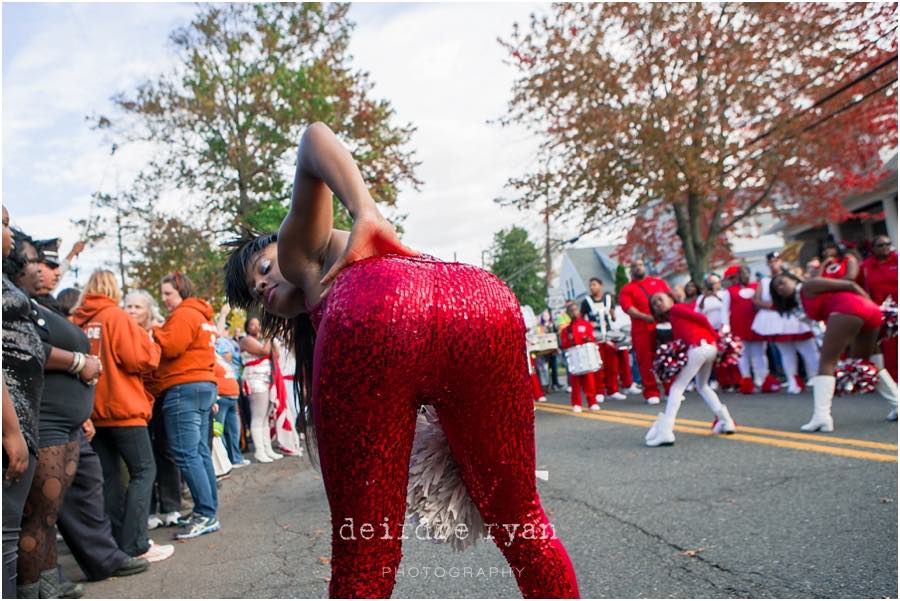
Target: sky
x=440 y=66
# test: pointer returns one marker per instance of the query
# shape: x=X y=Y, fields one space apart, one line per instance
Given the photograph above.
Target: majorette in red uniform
x=851 y=319
x=879 y=275
x=743 y=311
x=697 y=333
x=635 y=301
x=579 y=331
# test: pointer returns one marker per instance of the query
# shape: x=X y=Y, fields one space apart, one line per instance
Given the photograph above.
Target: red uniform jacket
x=880 y=277
x=637 y=294
x=577 y=332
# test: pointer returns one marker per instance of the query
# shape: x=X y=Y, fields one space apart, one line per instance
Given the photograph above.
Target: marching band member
x=850 y=316
x=697 y=333
x=635 y=301
x=879 y=275
x=579 y=331
x=715 y=304
x=597 y=308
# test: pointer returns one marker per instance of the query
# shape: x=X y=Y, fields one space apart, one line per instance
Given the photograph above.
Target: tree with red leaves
x=691 y=119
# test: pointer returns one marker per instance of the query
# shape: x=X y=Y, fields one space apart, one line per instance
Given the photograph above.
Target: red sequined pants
x=397 y=333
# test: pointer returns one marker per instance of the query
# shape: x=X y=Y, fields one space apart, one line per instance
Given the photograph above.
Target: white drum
x=583 y=359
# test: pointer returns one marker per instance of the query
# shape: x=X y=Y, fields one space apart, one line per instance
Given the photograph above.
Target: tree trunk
x=121 y=248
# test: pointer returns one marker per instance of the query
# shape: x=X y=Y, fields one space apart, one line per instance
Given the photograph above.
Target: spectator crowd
x=111 y=410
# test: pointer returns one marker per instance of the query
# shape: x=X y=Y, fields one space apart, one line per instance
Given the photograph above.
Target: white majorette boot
x=269 y=450
x=823 y=392
x=259 y=445
x=887 y=388
x=724 y=424
x=661 y=432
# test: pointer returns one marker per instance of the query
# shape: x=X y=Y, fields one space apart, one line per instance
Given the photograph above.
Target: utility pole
x=548 y=276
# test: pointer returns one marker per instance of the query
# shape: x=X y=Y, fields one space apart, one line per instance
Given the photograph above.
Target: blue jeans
x=228 y=417
x=186 y=409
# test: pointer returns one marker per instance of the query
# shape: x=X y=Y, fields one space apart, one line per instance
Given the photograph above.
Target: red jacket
x=188 y=340
x=690 y=326
x=880 y=277
x=637 y=294
x=577 y=332
x=126 y=352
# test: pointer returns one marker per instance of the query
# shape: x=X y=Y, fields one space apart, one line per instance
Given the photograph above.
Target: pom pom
x=436 y=496
x=669 y=359
x=730 y=348
x=888 y=319
x=855 y=376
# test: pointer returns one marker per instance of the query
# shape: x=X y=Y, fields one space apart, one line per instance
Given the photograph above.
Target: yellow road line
x=706 y=431
x=869 y=444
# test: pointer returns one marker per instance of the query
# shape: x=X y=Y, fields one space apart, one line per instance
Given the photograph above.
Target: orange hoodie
x=126 y=352
x=188 y=340
x=226 y=383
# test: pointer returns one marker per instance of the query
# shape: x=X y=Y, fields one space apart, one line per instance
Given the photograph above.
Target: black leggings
x=56 y=468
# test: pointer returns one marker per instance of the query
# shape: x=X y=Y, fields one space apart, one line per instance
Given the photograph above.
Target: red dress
x=395 y=333
x=821 y=306
x=743 y=311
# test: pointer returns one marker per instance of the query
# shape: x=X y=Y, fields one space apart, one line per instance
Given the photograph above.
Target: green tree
x=249 y=77
x=517 y=261
x=621 y=280
x=170 y=245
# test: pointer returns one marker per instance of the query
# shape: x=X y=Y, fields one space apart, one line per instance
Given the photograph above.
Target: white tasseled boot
x=661 y=432
x=887 y=388
x=724 y=423
x=269 y=450
x=259 y=445
x=823 y=392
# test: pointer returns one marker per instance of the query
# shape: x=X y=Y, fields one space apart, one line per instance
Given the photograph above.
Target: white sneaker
x=576 y=408
x=239 y=464
x=633 y=389
x=599 y=398
x=153 y=522
x=595 y=407
x=170 y=519
x=892 y=416
x=617 y=396
x=157 y=552
x=542 y=399
x=654 y=400
x=568 y=389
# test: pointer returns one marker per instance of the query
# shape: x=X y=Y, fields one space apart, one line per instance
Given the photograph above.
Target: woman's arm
x=852 y=268
x=817 y=286
x=252 y=345
x=13 y=442
x=324 y=166
x=61 y=360
x=757 y=298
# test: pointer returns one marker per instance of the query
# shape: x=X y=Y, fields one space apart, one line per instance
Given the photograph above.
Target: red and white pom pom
x=888 y=319
x=670 y=358
x=730 y=348
x=855 y=376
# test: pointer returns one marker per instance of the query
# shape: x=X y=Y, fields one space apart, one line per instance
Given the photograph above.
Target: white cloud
x=440 y=65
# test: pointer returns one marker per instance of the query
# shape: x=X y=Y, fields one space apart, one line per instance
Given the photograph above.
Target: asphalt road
x=769 y=512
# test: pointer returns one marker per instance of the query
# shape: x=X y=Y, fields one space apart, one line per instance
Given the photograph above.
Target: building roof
x=592 y=263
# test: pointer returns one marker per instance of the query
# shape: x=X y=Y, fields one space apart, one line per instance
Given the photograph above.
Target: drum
x=620 y=340
x=542 y=343
x=583 y=359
